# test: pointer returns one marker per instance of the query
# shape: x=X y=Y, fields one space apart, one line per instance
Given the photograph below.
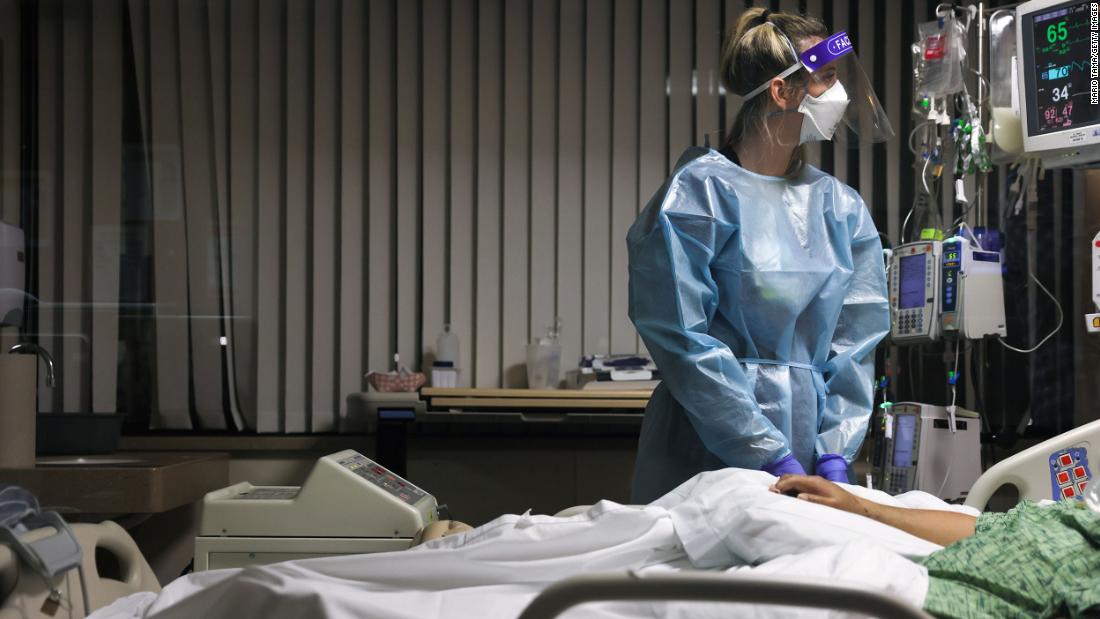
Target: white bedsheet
x=719 y=520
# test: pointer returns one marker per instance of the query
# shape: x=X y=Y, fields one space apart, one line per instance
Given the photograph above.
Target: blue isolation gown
x=761 y=299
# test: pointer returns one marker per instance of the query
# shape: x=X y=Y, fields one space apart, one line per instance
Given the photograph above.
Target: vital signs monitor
x=1061 y=118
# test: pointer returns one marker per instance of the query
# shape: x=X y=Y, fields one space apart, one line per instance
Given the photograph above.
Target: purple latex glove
x=784 y=465
x=833 y=468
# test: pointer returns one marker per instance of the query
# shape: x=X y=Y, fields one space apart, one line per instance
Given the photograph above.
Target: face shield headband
x=832 y=62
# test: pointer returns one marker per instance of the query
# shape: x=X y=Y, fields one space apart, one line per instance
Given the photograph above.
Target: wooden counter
x=327 y=443
x=528 y=399
x=122 y=483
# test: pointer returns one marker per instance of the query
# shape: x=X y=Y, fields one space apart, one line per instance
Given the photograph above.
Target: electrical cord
x=1058 y=328
x=924 y=177
x=913 y=134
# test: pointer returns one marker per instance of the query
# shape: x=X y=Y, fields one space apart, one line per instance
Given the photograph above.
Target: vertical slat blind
x=10 y=98
x=322 y=320
x=487 y=197
x=353 y=194
x=571 y=268
x=49 y=198
x=628 y=139
x=545 y=128
x=515 y=240
x=462 y=160
x=333 y=180
x=244 y=224
x=75 y=180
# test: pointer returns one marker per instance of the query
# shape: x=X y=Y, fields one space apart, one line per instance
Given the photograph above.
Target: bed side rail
x=1029 y=470
x=715 y=587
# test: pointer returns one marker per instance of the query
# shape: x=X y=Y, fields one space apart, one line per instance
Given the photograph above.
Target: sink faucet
x=35 y=349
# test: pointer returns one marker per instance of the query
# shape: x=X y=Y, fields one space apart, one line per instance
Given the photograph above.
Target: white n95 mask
x=821 y=115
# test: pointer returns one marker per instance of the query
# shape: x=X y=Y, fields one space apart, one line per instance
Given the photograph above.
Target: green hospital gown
x=1033 y=561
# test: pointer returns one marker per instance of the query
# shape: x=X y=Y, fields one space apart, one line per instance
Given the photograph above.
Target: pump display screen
x=905 y=426
x=1057 y=65
x=911 y=286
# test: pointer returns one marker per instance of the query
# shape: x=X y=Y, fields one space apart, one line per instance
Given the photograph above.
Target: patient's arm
x=939 y=527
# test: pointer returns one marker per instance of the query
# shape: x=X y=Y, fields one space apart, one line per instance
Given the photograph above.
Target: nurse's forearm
x=937 y=526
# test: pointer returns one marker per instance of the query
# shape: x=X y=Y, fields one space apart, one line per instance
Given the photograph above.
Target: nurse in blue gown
x=756 y=280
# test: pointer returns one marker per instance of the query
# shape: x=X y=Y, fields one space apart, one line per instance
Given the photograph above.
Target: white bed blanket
x=721 y=520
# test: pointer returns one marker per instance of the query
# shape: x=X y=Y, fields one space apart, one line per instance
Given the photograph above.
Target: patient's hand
x=936 y=526
x=819 y=490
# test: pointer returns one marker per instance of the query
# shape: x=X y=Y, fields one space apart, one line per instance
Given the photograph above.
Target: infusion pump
x=925 y=447
x=945 y=289
x=348 y=504
x=915 y=292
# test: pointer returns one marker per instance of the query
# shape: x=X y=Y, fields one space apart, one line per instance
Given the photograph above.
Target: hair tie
x=764 y=16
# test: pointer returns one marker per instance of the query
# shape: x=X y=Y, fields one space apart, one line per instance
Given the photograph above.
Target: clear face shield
x=840 y=104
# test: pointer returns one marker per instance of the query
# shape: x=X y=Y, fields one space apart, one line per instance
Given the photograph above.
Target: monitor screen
x=905 y=426
x=1056 y=63
x=912 y=282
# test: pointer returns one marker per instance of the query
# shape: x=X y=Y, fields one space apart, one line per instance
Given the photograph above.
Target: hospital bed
x=709 y=587
x=1035 y=472
x=112 y=566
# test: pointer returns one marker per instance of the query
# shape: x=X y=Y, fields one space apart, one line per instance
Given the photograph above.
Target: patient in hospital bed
x=1033 y=561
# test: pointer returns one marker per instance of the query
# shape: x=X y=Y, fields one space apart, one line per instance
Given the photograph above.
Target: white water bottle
x=445 y=368
x=446 y=346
